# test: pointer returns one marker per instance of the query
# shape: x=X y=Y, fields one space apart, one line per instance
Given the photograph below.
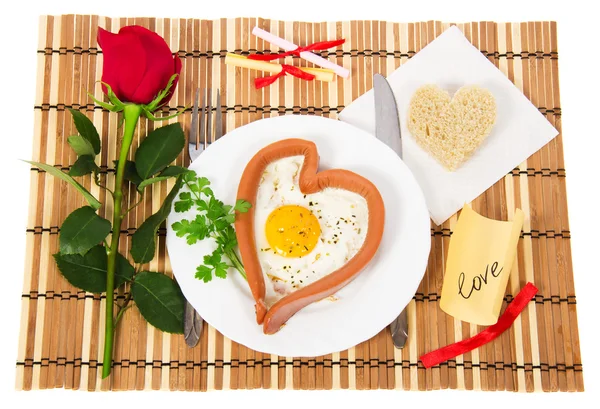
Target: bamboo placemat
x=61 y=327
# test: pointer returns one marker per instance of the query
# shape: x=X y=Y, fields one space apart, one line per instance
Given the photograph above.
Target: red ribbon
x=489 y=334
x=321 y=45
x=285 y=69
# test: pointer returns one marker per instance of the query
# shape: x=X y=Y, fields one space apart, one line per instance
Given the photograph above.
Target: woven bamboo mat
x=61 y=328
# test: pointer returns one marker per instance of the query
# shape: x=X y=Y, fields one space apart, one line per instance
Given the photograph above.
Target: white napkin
x=451 y=61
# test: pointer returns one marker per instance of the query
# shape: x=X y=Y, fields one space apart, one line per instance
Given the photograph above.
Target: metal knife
x=387 y=130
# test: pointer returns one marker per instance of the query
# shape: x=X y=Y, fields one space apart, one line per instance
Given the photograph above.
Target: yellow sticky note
x=481 y=254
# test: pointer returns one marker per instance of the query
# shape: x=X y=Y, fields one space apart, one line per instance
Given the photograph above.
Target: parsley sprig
x=214 y=220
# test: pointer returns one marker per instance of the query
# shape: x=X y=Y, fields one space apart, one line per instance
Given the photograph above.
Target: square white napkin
x=451 y=61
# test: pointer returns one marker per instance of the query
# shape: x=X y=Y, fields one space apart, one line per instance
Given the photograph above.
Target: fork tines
x=210 y=132
x=205 y=132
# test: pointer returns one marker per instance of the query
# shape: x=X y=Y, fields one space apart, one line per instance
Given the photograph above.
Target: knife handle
x=192 y=325
x=399 y=329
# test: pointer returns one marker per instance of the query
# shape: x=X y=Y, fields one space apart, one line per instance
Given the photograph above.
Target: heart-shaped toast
x=307 y=234
x=451 y=129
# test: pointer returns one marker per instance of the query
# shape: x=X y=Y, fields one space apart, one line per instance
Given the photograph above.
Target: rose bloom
x=137 y=64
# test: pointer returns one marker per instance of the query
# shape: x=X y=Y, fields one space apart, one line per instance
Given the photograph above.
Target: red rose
x=137 y=64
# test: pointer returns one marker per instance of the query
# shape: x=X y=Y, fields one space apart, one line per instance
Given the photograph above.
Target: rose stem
x=131 y=114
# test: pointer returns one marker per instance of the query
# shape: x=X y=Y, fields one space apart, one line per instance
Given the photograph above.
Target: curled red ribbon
x=285 y=69
x=489 y=334
x=321 y=45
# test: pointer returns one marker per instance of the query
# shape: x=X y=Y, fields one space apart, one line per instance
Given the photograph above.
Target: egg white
x=340 y=212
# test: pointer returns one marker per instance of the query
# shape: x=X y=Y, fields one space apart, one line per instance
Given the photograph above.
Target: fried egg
x=301 y=238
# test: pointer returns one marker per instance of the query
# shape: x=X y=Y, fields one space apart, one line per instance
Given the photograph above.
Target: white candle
x=307 y=55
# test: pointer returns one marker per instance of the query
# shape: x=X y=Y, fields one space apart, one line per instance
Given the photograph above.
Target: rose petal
x=124 y=63
x=159 y=63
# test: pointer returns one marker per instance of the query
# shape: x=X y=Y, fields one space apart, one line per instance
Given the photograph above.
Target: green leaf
x=212 y=263
x=62 y=175
x=159 y=148
x=202 y=182
x=82 y=230
x=81 y=146
x=159 y=300
x=84 y=165
x=173 y=171
x=221 y=270
x=130 y=174
x=204 y=273
x=88 y=272
x=168 y=173
x=151 y=181
x=189 y=177
x=242 y=206
x=143 y=241
x=124 y=270
x=195 y=230
x=227 y=238
x=86 y=128
x=185 y=202
x=215 y=209
x=214 y=259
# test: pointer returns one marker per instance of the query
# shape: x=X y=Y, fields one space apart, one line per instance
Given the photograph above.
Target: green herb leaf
x=221 y=224
x=84 y=165
x=215 y=209
x=202 y=183
x=159 y=300
x=242 y=206
x=86 y=128
x=195 y=230
x=214 y=260
x=81 y=146
x=62 y=175
x=168 y=173
x=212 y=263
x=227 y=238
x=82 y=230
x=190 y=177
x=214 y=220
x=88 y=272
x=159 y=148
x=143 y=241
x=204 y=273
x=185 y=203
x=221 y=270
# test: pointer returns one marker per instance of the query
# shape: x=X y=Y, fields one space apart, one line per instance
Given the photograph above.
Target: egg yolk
x=292 y=231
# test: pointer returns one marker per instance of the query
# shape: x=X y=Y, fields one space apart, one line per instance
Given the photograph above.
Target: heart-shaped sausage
x=309 y=182
x=451 y=129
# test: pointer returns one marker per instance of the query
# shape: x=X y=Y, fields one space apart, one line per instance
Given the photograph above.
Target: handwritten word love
x=478 y=280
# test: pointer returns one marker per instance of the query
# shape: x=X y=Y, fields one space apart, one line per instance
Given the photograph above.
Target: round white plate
x=365 y=306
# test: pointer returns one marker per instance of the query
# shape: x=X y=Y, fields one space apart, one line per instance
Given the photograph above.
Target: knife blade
x=387 y=130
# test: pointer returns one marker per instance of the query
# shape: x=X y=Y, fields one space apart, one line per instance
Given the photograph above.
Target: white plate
x=366 y=305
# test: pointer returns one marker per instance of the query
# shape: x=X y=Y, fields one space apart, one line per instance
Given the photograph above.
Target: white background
x=579 y=68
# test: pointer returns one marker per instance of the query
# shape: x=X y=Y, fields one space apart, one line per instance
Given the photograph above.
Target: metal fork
x=197 y=143
x=199 y=138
